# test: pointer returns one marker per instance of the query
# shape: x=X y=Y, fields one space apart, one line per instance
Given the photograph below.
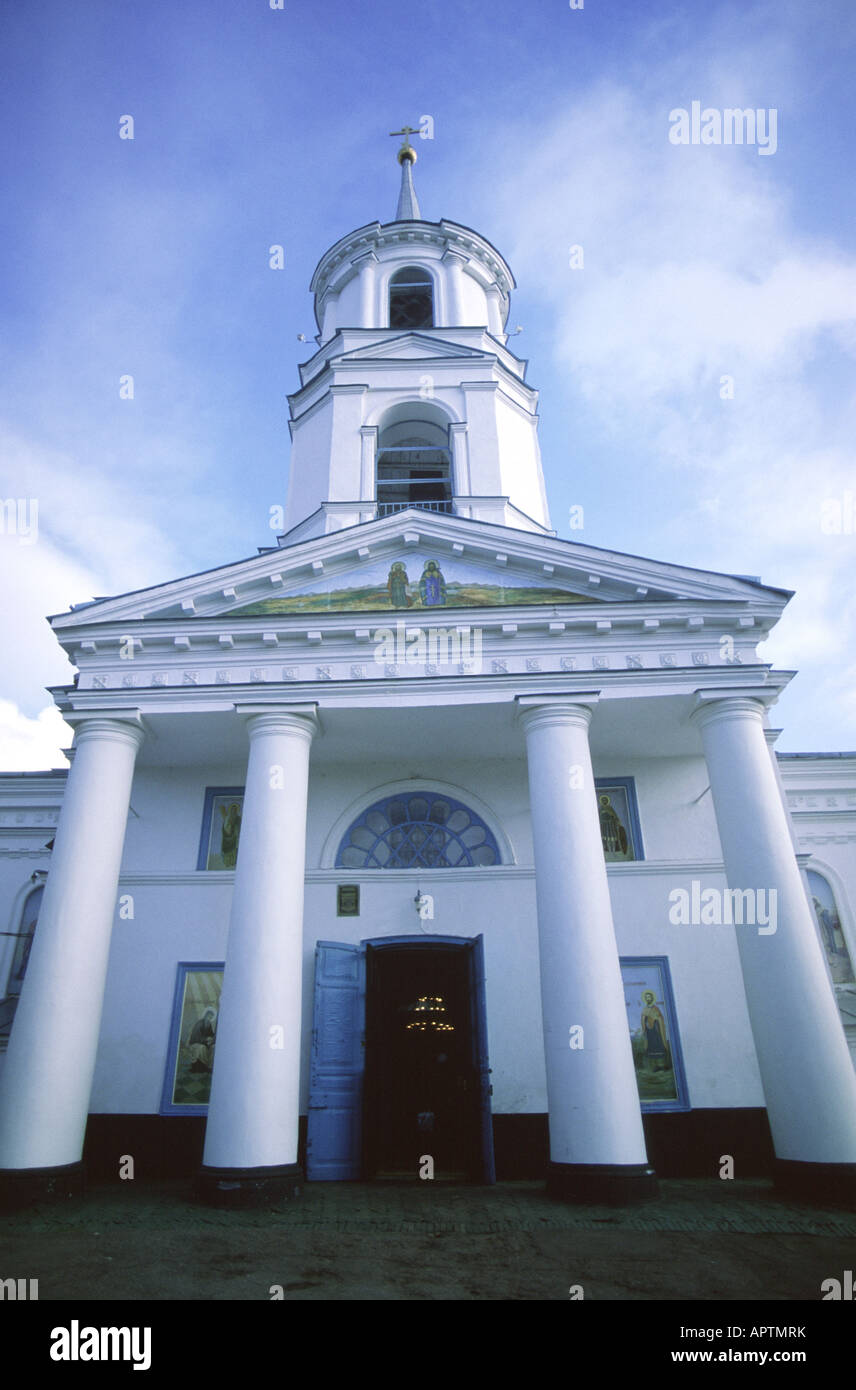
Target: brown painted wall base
x=687 y=1144
x=691 y=1144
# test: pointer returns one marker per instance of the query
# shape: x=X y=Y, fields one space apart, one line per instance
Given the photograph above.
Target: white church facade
x=425 y=843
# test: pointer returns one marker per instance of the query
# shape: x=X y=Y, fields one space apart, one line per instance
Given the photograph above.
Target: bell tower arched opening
x=411 y=298
x=414 y=460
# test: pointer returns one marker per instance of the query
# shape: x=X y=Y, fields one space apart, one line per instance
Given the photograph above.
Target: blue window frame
x=620 y=831
x=417 y=830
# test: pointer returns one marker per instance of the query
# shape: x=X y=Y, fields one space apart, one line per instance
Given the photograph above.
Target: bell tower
x=413 y=398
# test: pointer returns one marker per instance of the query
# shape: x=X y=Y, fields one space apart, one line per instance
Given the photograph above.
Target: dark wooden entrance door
x=422 y=1095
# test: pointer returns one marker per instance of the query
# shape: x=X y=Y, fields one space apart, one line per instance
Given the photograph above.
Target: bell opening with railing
x=414 y=466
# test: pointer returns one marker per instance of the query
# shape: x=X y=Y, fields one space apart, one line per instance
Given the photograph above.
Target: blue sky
x=255 y=126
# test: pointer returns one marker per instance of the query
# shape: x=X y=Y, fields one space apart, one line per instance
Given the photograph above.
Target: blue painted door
x=334 y=1131
x=480 y=1058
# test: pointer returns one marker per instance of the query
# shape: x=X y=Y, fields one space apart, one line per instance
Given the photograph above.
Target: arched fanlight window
x=829 y=925
x=417 y=830
x=24 y=933
x=411 y=299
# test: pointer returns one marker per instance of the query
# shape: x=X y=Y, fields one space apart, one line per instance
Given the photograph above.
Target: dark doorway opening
x=422 y=1094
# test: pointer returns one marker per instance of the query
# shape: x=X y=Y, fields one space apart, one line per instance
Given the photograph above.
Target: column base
x=249 y=1187
x=823 y=1184
x=617 y=1184
x=29 y=1187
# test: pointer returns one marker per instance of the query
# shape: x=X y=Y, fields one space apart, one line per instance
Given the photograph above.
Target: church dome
x=354 y=282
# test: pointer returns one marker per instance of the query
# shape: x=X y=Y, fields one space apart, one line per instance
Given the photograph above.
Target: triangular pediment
x=415 y=578
x=417 y=561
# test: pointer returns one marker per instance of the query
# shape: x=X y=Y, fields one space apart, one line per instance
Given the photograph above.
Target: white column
x=368 y=457
x=494 y=312
x=597 y=1145
x=253 y=1111
x=806 y=1071
x=331 y=310
x=368 y=291
x=460 y=460
x=454 y=289
x=47 y=1075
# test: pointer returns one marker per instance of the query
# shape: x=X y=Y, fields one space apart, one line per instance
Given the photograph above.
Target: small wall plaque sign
x=348 y=900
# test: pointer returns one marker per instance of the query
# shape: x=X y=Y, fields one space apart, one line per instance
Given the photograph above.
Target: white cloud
x=28 y=745
x=93 y=537
x=696 y=269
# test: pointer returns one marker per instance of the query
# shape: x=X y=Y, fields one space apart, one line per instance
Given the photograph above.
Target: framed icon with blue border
x=221 y=828
x=620 y=831
x=653 y=1024
x=192 y=1038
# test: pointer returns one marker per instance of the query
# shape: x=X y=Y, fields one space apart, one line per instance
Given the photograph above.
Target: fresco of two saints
x=417 y=582
x=430 y=592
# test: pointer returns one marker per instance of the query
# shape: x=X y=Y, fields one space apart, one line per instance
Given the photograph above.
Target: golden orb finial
x=407 y=151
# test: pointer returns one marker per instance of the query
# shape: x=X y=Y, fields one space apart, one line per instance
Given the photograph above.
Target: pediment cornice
x=587 y=574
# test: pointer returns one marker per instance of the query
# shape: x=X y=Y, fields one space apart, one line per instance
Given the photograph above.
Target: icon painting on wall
x=190 y=1060
x=653 y=1034
x=616 y=823
x=221 y=828
x=418 y=581
x=829 y=922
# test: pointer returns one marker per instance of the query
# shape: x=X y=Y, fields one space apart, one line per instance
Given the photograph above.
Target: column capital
x=557 y=710
x=118 y=725
x=712 y=705
x=283 y=719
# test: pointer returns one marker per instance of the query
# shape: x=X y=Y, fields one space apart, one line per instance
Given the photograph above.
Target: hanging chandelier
x=428 y=1015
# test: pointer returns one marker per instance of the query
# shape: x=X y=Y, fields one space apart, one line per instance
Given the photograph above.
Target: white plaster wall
x=483 y=442
x=519 y=460
x=675 y=805
x=349 y=306
x=344 y=470
x=473 y=303
x=713 y=1019
x=172 y=922
x=165 y=823
x=309 y=470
